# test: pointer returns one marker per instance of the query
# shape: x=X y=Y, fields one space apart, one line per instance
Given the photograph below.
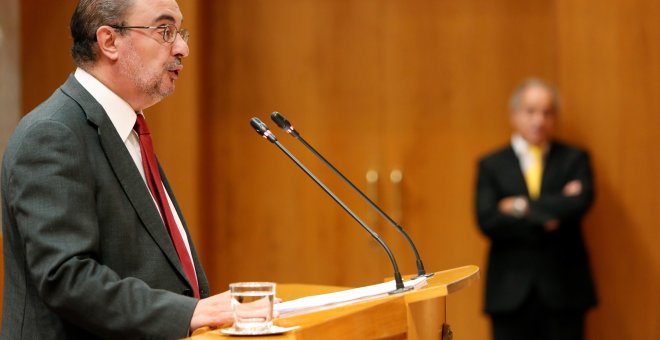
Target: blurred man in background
x=531 y=196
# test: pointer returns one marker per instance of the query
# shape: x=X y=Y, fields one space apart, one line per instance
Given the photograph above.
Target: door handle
x=372 y=193
x=396 y=179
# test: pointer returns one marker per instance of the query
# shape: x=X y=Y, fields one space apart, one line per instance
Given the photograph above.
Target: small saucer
x=272 y=331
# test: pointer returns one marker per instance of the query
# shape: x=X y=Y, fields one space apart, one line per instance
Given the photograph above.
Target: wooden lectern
x=416 y=314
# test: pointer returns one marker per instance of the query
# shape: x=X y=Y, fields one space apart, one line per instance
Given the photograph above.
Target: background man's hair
x=516 y=96
x=88 y=16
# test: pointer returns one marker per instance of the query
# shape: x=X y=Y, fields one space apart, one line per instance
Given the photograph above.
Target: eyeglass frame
x=183 y=32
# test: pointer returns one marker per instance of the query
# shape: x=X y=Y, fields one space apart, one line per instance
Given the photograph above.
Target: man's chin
x=167 y=86
x=166 y=90
x=536 y=138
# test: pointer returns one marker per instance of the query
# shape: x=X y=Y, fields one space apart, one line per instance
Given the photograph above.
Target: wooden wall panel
x=419 y=86
x=45 y=49
x=610 y=76
x=272 y=60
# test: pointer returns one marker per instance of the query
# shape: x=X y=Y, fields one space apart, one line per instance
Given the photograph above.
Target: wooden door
x=288 y=56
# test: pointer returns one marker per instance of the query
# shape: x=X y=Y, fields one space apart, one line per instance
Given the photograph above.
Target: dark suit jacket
x=86 y=252
x=523 y=255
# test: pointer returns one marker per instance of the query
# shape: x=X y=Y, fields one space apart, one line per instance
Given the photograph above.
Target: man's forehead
x=536 y=92
x=537 y=89
x=154 y=11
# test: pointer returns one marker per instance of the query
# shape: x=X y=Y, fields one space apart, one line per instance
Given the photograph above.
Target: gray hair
x=516 y=96
x=88 y=16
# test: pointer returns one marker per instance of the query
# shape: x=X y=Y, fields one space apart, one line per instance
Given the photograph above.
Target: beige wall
x=419 y=86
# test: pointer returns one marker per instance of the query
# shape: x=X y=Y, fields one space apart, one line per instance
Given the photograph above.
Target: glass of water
x=252 y=304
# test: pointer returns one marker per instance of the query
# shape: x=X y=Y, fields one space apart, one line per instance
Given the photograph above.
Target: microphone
x=285 y=125
x=263 y=131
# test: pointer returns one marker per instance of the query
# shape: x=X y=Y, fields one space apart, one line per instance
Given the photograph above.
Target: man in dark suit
x=87 y=252
x=530 y=199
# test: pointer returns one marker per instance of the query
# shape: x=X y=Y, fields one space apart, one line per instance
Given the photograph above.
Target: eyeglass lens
x=170 y=32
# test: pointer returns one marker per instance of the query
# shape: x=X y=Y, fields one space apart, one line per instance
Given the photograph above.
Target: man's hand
x=572 y=188
x=516 y=206
x=214 y=311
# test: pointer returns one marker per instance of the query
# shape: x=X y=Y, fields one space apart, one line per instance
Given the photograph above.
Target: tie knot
x=536 y=151
x=141 y=125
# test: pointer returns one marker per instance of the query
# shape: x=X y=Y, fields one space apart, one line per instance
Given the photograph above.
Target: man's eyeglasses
x=169 y=31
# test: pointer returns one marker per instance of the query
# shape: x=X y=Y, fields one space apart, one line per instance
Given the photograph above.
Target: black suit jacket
x=86 y=252
x=522 y=254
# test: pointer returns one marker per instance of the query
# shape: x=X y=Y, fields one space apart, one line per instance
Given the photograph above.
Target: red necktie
x=158 y=191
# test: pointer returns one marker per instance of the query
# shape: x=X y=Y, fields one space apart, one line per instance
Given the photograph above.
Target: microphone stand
x=263 y=130
x=283 y=123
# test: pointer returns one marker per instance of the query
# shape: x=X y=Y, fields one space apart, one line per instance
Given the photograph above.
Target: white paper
x=343 y=296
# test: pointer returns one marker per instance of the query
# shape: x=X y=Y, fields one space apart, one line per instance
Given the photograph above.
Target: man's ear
x=106 y=38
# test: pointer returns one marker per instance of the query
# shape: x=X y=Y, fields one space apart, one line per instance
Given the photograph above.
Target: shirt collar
x=521 y=146
x=121 y=114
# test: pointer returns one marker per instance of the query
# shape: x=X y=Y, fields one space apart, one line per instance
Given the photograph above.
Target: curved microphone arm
x=285 y=125
x=263 y=130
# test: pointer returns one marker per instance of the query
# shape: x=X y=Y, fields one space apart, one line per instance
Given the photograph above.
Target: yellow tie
x=534 y=173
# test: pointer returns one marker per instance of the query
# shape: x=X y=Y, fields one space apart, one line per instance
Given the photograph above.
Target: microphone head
x=283 y=123
x=262 y=129
x=280 y=120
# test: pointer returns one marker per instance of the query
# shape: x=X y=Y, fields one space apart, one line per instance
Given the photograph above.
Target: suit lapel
x=550 y=166
x=125 y=170
x=512 y=167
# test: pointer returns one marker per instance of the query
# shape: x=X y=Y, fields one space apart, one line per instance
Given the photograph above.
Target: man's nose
x=180 y=47
x=538 y=117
